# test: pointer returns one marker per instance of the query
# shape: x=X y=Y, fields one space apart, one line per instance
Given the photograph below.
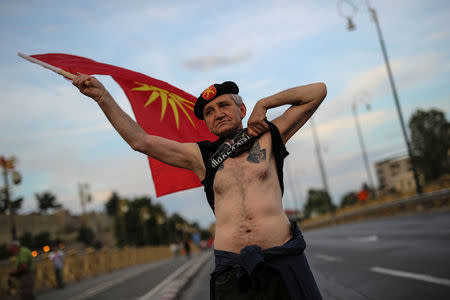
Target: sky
x=61 y=138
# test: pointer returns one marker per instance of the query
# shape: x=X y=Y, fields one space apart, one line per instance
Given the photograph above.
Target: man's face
x=223 y=116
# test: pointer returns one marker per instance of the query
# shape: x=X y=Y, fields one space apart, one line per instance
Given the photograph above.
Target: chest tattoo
x=256 y=154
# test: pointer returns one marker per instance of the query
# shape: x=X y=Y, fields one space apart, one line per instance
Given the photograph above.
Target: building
x=396 y=175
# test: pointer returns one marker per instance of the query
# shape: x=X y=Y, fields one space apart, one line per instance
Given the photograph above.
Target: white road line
x=328 y=257
x=416 y=276
x=364 y=239
x=163 y=283
x=105 y=285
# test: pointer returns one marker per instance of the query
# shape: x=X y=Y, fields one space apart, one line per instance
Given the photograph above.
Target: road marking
x=328 y=257
x=416 y=276
x=364 y=239
x=105 y=285
x=163 y=283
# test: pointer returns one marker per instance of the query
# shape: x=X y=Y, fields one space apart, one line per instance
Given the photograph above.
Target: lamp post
x=8 y=165
x=85 y=197
x=321 y=165
x=351 y=26
x=360 y=137
x=291 y=186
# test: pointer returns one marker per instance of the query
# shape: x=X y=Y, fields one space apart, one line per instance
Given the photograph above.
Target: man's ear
x=243 y=110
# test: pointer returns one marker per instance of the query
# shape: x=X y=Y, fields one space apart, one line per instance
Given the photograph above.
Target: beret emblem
x=209 y=93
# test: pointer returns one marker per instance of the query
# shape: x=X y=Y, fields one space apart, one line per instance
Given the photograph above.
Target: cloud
x=210 y=62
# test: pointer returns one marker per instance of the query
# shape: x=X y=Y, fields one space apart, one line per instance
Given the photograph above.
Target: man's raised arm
x=182 y=155
x=304 y=101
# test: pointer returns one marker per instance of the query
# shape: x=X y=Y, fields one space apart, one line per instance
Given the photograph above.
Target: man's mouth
x=221 y=123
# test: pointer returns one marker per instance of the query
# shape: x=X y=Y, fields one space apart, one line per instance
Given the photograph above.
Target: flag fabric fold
x=160 y=109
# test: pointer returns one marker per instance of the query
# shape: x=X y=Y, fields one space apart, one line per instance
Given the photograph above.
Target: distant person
x=187 y=247
x=242 y=175
x=57 y=258
x=23 y=270
x=174 y=248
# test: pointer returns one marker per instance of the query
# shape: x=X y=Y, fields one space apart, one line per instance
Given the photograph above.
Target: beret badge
x=209 y=93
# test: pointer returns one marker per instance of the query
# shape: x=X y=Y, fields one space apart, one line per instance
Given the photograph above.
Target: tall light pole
x=85 y=197
x=351 y=26
x=319 y=159
x=8 y=165
x=360 y=138
x=291 y=186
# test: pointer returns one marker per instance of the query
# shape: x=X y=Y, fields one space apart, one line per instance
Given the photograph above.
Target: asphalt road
x=403 y=257
x=406 y=257
x=130 y=283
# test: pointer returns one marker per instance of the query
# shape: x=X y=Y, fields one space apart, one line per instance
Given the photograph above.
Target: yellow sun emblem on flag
x=175 y=101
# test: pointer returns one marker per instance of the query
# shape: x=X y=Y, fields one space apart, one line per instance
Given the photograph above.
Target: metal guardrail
x=416 y=202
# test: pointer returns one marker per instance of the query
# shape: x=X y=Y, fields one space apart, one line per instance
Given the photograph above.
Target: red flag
x=160 y=109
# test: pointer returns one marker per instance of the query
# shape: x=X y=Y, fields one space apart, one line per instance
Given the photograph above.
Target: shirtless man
x=258 y=253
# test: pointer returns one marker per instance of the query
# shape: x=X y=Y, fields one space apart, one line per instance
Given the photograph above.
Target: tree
x=42 y=239
x=86 y=235
x=112 y=204
x=349 y=198
x=46 y=200
x=430 y=142
x=15 y=204
x=319 y=202
x=26 y=239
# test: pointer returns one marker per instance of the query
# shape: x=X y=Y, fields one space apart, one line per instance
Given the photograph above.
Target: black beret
x=211 y=93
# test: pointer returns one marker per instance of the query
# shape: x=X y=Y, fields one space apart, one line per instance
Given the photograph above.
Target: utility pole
x=85 y=197
x=291 y=186
x=394 y=91
x=8 y=165
x=321 y=165
x=361 y=143
x=351 y=26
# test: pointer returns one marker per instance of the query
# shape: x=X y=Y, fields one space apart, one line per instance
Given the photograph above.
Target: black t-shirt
x=208 y=148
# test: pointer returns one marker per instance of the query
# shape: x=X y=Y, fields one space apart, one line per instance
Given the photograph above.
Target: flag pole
x=47 y=66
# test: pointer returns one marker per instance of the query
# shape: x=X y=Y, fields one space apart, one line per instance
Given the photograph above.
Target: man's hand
x=89 y=86
x=256 y=124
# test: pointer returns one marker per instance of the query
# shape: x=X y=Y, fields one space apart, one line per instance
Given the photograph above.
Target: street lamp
x=373 y=13
x=363 y=99
x=85 y=197
x=8 y=165
x=321 y=165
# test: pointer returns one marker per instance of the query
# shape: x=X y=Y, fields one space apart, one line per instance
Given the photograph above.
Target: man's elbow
x=321 y=91
x=138 y=146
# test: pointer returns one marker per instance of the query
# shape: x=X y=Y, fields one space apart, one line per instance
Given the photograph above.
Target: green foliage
x=46 y=201
x=15 y=204
x=147 y=223
x=41 y=239
x=4 y=253
x=319 y=202
x=349 y=199
x=112 y=204
x=430 y=142
x=26 y=239
x=205 y=234
x=86 y=235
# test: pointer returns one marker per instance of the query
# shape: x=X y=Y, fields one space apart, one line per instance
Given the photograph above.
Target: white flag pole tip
x=47 y=66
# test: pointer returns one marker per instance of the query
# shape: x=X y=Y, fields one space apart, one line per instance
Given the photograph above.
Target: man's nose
x=219 y=115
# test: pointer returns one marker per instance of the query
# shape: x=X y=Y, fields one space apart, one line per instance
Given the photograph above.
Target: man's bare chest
x=252 y=166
